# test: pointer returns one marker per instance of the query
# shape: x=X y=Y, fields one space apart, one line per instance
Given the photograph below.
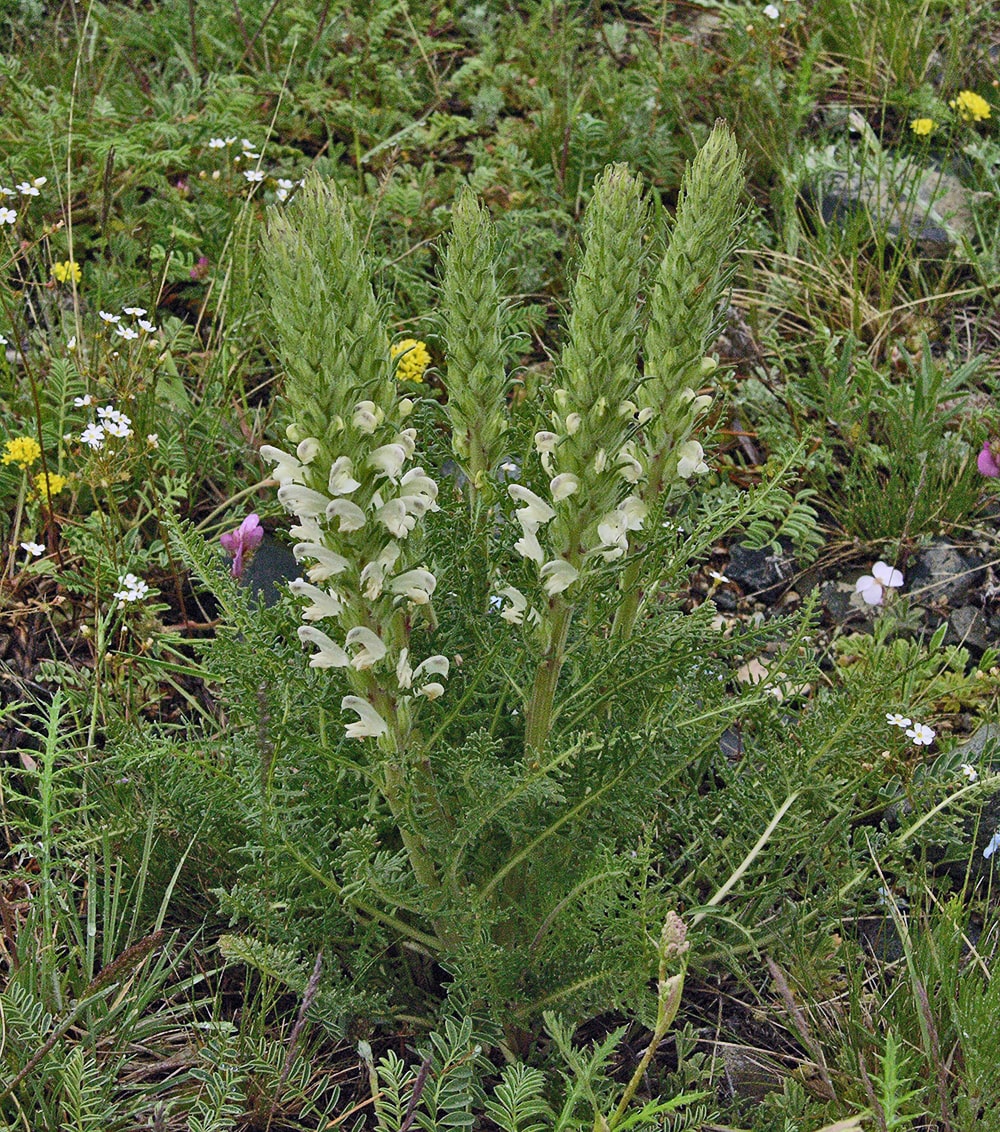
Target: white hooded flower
x=342 y=481
x=367 y=417
x=432 y=691
x=436 y=665
x=629 y=467
x=351 y=517
x=546 y=441
x=417 y=585
x=330 y=654
x=563 y=486
x=528 y=546
x=307 y=449
x=535 y=512
x=328 y=562
x=302 y=501
x=372 y=649
x=611 y=531
x=369 y=724
x=388 y=461
x=373 y=575
x=513 y=613
x=325 y=603
x=286 y=468
x=690 y=460
x=418 y=492
x=558 y=575
x=394 y=517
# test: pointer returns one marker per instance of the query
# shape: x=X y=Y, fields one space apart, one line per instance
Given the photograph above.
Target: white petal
x=404 y=673
x=887 y=575
x=537 y=510
x=307 y=449
x=528 y=546
x=690 y=462
x=388 y=460
x=546 y=441
x=369 y=724
x=393 y=515
x=433 y=666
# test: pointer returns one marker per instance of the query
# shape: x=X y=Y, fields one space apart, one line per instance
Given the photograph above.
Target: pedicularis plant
x=487 y=595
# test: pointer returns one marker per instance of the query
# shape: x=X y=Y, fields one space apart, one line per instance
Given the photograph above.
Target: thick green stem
x=539 y=713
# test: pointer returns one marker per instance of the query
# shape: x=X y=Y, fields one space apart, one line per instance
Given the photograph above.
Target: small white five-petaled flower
x=970 y=772
x=133 y=589
x=35 y=549
x=921 y=734
x=897 y=720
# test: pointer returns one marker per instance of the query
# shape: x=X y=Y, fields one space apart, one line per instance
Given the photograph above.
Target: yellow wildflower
x=923 y=126
x=414 y=362
x=49 y=483
x=66 y=270
x=21 y=450
x=970 y=106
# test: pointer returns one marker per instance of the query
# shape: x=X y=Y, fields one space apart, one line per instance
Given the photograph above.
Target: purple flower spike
x=987 y=462
x=245 y=539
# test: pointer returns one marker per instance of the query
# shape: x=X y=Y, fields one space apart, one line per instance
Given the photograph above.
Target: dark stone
x=760 y=573
x=943 y=572
x=968 y=627
x=272 y=565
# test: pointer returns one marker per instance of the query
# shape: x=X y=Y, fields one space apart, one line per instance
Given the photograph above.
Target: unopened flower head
x=413 y=359
x=21 y=450
x=971 y=107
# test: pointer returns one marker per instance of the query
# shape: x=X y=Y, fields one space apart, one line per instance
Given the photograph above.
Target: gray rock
x=900 y=199
x=942 y=572
x=760 y=573
x=270 y=570
x=968 y=627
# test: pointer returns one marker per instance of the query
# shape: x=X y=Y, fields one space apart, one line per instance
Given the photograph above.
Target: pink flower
x=245 y=539
x=987 y=462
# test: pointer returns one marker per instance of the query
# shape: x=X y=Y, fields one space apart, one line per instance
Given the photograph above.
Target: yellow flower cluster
x=970 y=106
x=66 y=270
x=923 y=126
x=49 y=483
x=414 y=361
x=21 y=450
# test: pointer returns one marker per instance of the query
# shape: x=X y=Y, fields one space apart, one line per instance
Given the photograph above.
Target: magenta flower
x=245 y=539
x=987 y=462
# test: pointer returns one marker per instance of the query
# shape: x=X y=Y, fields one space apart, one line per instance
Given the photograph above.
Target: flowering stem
x=539 y=712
